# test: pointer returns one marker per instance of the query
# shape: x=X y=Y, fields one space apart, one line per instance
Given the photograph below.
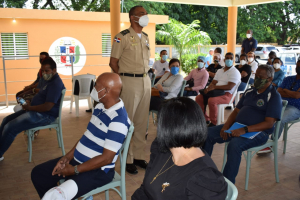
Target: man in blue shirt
x=249 y=44
x=259 y=109
x=41 y=111
x=91 y=162
x=209 y=58
x=290 y=91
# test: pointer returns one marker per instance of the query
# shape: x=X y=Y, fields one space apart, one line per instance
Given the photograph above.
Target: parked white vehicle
x=262 y=51
x=289 y=60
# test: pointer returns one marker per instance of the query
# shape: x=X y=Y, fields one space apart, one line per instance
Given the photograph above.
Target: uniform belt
x=134 y=75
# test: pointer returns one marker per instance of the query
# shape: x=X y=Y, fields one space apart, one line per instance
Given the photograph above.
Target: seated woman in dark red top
x=178 y=167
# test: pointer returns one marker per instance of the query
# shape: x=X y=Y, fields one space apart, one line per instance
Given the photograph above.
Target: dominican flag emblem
x=118 y=40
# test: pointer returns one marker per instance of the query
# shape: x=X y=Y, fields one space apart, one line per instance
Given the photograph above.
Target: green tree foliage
x=189 y=62
x=12 y=3
x=184 y=37
x=274 y=22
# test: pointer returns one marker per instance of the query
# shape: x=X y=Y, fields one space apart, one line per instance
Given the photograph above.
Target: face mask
x=94 y=94
x=47 y=77
x=260 y=83
x=276 y=65
x=243 y=62
x=249 y=36
x=174 y=70
x=298 y=70
x=143 y=21
x=164 y=57
x=250 y=59
x=216 y=61
x=200 y=64
x=228 y=63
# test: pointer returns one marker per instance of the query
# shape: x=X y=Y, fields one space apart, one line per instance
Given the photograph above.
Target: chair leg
x=225 y=156
x=106 y=194
x=71 y=105
x=89 y=102
x=219 y=118
x=123 y=190
x=30 y=145
x=77 y=105
x=285 y=136
x=61 y=140
x=58 y=137
x=275 y=151
x=223 y=114
x=248 y=161
x=148 y=123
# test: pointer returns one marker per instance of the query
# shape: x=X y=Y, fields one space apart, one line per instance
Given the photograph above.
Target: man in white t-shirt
x=161 y=66
x=226 y=79
x=254 y=65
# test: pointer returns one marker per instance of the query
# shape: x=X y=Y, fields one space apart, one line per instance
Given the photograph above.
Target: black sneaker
x=141 y=163
x=207 y=122
x=89 y=110
x=211 y=125
x=131 y=169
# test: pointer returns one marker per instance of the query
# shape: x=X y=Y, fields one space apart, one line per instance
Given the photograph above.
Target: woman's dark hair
x=272 y=53
x=218 y=50
x=49 y=61
x=181 y=123
x=277 y=59
x=173 y=60
x=243 y=54
x=44 y=53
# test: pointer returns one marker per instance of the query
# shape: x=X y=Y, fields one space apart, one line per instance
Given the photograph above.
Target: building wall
x=42 y=33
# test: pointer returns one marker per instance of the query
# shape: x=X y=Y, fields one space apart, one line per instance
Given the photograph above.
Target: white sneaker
x=2 y=158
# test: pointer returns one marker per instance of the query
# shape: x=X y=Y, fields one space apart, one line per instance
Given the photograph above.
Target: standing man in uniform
x=129 y=58
x=249 y=44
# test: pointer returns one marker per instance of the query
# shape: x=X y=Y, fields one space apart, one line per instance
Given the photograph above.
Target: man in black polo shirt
x=249 y=44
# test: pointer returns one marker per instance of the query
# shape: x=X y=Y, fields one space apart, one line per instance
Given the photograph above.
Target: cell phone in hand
x=21 y=101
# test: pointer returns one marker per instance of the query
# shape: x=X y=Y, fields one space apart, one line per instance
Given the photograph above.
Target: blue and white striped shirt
x=107 y=129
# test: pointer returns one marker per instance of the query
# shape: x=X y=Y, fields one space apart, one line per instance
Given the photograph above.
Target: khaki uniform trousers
x=136 y=94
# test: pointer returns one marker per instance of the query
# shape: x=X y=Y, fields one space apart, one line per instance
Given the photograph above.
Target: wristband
x=246 y=129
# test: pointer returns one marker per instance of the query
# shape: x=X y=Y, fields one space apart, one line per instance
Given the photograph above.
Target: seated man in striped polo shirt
x=91 y=162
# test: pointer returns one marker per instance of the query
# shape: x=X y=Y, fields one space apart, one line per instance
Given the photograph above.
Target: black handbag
x=190 y=82
x=213 y=93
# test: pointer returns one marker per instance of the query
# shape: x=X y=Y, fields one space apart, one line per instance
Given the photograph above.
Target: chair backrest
x=277 y=125
x=153 y=80
x=232 y=191
x=84 y=83
x=63 y=92
x=182 y=88
x=234 y=93
x=124 y=151
x=246 y=85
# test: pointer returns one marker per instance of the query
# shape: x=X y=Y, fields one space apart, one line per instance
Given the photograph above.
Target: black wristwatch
x=75 y=169
x=246 y=129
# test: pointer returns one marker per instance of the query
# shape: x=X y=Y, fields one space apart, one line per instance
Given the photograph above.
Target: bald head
x=112 y=84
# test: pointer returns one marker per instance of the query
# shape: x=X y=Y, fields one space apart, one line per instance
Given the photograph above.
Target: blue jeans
x=189 y=93
x=235 y=148
x=242 y=86
x=251 y=81
x=291 y=113
x=20 y=121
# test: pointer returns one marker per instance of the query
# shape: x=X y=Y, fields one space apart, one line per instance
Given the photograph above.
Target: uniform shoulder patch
x=145 y=33
x=126 y=31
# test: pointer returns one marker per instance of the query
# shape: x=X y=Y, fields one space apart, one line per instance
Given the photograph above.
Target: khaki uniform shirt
x=132 y=51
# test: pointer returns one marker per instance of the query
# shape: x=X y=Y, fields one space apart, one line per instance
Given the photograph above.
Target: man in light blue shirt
x=209 y=58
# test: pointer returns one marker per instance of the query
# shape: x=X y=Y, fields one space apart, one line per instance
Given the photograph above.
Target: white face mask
x=94 y=94
x=249 y=36
x=143 y=21
x=243 y=62
x=250 y=59
x=276 y=65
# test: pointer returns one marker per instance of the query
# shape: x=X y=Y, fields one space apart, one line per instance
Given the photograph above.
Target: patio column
x=231 y=29
x=115 y=22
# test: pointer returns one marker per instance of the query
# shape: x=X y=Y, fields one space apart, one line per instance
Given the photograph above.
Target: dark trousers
x=42 y=179
x=156 y=80
x=155 y=102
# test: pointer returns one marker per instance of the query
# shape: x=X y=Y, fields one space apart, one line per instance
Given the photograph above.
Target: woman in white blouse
x=168 y=86
x=254 y=65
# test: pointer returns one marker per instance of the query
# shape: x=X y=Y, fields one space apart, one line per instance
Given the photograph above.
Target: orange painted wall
x=42 y=33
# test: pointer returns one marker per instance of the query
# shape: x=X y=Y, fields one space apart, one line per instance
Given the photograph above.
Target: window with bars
x=14 y=45
x=106 y=44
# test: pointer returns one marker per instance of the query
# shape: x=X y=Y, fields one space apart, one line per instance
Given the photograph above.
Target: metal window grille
x=106 y=44
x=14 y=45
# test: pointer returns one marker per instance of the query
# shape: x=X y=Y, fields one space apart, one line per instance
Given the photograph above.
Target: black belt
x=133 y=75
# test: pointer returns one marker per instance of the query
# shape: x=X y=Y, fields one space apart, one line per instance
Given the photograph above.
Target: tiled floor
x=15 y=169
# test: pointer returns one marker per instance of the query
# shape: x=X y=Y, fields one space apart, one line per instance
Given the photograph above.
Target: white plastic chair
x=237 y=98
x=221 y=107
x=84 y=90
x=232 y=192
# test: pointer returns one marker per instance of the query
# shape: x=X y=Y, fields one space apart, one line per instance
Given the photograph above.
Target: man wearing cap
x=130 y=56
x=198 y=77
